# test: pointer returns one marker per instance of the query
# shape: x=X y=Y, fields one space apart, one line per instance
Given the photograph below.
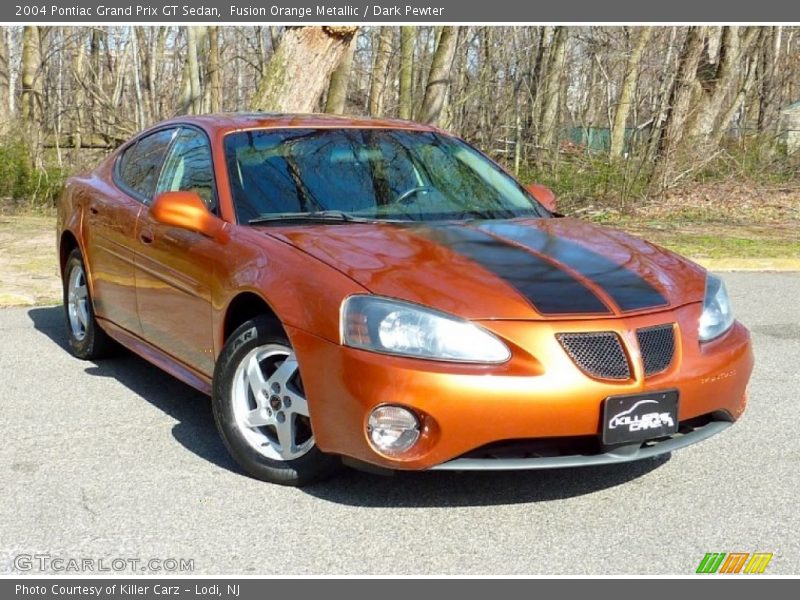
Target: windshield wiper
x=319 y=216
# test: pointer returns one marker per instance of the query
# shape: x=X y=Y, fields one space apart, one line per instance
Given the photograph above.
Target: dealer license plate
x=639 y=417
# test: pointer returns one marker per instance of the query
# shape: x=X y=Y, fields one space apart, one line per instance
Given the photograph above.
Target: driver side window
x=189 y=168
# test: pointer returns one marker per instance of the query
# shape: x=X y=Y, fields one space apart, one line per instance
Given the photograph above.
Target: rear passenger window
x=140 y=164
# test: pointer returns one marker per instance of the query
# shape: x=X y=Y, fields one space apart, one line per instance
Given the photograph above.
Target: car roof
x=232 y=121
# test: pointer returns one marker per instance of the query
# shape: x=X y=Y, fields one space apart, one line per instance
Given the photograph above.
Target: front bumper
x=539 y=394
x=617 y=455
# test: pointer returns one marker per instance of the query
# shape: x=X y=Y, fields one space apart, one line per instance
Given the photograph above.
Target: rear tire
x=86 y=338
x=261 y=411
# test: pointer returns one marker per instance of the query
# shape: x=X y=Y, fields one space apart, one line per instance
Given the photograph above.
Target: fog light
x=392 y=429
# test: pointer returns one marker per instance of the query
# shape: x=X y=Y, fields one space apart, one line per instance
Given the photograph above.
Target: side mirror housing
x=544 y=195
x=187 y=210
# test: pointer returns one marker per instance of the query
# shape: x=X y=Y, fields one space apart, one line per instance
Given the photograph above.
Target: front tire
x=261 y=411
x=86 y=339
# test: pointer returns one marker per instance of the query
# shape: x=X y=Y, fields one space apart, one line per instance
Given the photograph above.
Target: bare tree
x=192 y=97
x=519 y=93
x=6 y=79
x=340 y=80
x=31 y=96
x=717 y=82
x=627 y=92
x=214 y=88
x=298 y=72
x=383 y=53
x=552 y=88
x=407 y=38
x=679 y=105
x=439 y=76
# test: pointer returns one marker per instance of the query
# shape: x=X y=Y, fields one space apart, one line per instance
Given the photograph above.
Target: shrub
x=23 y=185
x=582 y=179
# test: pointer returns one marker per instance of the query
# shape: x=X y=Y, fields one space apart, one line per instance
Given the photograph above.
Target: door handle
x=146 y=237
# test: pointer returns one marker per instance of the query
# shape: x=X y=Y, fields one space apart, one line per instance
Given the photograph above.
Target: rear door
x=175 y=267
x=111 y=218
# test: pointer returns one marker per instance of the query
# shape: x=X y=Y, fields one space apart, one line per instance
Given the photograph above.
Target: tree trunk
x=193 y=105
x=31 y=93
x=377 y=89
x=738 y=100
x=78 y=77
x=191 y=100
x=144 y=64
x=552 y=88
x=717 y=85
x=439 y=76
x=539 y=73
x=662 y=98
x=679 y=105
x=340 y=81
x=214 y=79
x=6 y=92
x=407 y=37
x=297 y=73
x=627 y=93
x=767 y=107
x=159 y=46
x=136 y=76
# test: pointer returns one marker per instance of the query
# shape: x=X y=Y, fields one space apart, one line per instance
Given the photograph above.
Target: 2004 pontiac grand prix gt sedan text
x=380 y=293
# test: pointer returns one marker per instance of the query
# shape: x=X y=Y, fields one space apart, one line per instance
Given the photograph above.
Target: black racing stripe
x=551 y=290
x=626 y=288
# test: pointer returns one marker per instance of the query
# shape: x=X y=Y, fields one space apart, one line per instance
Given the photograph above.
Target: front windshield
x=378 y=174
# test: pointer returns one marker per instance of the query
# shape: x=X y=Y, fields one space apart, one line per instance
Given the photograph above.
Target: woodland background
x=613 y=118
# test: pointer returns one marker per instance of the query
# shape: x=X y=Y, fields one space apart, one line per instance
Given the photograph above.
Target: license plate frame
x=639 y=417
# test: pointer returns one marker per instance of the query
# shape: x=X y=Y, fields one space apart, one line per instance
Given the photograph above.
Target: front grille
x=657 y=346
x=598 y=354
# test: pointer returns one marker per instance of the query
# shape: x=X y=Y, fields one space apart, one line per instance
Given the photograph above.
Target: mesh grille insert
x=598 y=354
x=657 y=346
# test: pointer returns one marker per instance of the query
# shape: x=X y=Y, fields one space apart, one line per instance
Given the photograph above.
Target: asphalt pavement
x=116 y=460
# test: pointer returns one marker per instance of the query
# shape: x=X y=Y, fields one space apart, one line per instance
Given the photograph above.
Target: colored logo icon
x=733 y=563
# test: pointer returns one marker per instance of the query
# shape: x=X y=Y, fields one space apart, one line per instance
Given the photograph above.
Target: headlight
x=717 y=315
x=395 y=327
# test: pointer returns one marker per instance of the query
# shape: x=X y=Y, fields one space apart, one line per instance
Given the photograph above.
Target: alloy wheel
x=269 y=405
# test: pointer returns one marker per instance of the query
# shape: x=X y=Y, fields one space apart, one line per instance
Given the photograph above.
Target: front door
x=175 y=267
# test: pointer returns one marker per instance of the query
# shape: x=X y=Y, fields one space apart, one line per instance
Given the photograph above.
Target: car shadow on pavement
x=490 y=488
x=195 y=430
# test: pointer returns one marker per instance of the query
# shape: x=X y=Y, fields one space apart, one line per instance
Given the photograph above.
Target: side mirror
x=544 y=195
x=187 y=211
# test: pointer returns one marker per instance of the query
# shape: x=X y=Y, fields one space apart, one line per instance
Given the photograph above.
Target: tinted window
x=140 y=165
x=371 y=173
x=188 y=167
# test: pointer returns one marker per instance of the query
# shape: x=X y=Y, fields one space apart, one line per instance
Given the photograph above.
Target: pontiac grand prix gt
x=380 y=293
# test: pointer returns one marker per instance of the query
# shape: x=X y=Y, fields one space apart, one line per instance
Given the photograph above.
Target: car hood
x=512 y=269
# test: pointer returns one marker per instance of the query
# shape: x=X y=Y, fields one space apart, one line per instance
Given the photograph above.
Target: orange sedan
x=379 y=293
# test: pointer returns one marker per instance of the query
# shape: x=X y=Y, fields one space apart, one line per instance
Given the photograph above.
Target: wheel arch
x=67 y=243
x=244 y=306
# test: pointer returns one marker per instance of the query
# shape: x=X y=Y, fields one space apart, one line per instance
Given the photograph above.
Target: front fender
x=303 y=292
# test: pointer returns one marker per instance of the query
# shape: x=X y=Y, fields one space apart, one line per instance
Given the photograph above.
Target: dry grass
x=731 y=226
x=28 y=261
